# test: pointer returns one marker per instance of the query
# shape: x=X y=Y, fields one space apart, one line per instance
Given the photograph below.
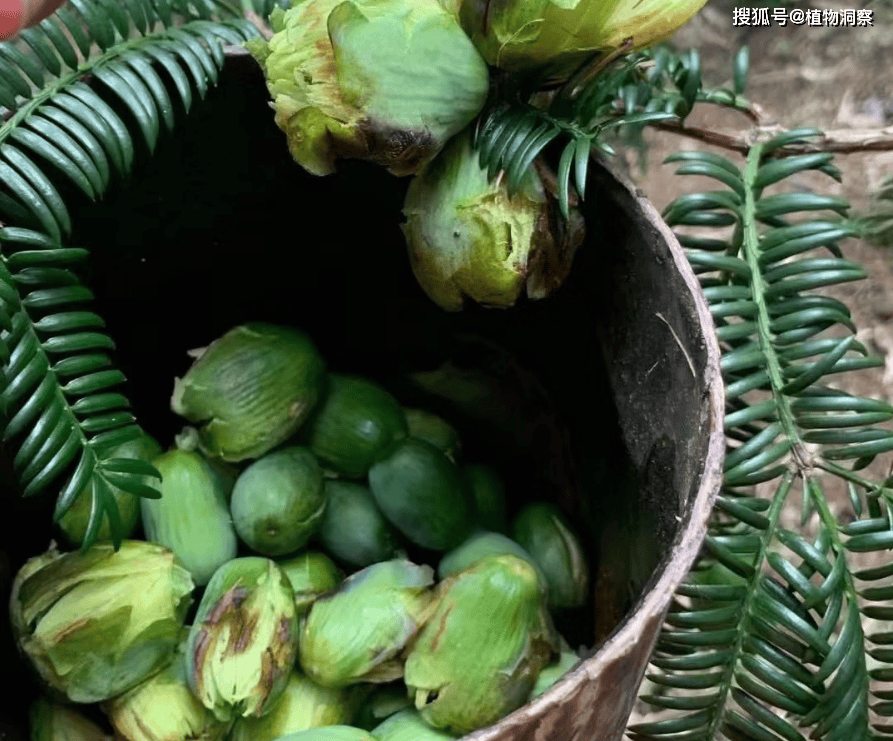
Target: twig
x=842 y=141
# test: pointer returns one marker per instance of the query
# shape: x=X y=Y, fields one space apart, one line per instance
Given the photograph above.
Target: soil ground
x=838 y=79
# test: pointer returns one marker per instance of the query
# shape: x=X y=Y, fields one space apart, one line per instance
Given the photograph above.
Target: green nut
x=477 y=658
x=422 y=494
x=164 y=709
x=387 y=81
x=407 y=725
x=353 y=529
x=250 y=390
x=243 y=643
x=302 y=705
x=75 y=521
x=356 y=424
x=488 y=493
x=96 y=624
x=329 y=733
x=429 y=427
x=278 y=501
x=192 y=517
x=311 y=574
x=544 y=532
x=358 y=632
x=479 y=546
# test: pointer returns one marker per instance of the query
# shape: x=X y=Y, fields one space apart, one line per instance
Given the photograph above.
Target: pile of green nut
x=296 y=500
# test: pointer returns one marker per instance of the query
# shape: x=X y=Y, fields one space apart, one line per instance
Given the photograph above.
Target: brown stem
x=841 y=141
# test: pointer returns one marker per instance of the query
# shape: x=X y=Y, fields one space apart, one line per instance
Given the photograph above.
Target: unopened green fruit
x=470 y=239
x=250 y=390
x=355 y=426
x=427 y=426
x=423 y=495
x=353 y=529
x=544 y=532
x=407 y=725
x=488 y=493
x=387 y=81
x=311 y=574
x=278 y=501
x=329 y=733
x=192 y=517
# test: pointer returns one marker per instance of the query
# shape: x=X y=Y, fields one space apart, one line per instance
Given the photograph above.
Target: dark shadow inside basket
x=594 y=398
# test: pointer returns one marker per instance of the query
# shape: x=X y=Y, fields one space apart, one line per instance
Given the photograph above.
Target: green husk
x=65 y=606
x=250 y=390
x=469 y=240
x=389 y=81
x=477 y=658
x=164 y=709
x=358 y=632
x=555 y=36
x=242 y=645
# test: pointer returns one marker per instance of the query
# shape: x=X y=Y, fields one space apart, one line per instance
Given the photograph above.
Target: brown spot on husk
x=441 y=629
x=242 y=633
x=233 y=599
x=71 y=628
x=201 y=648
